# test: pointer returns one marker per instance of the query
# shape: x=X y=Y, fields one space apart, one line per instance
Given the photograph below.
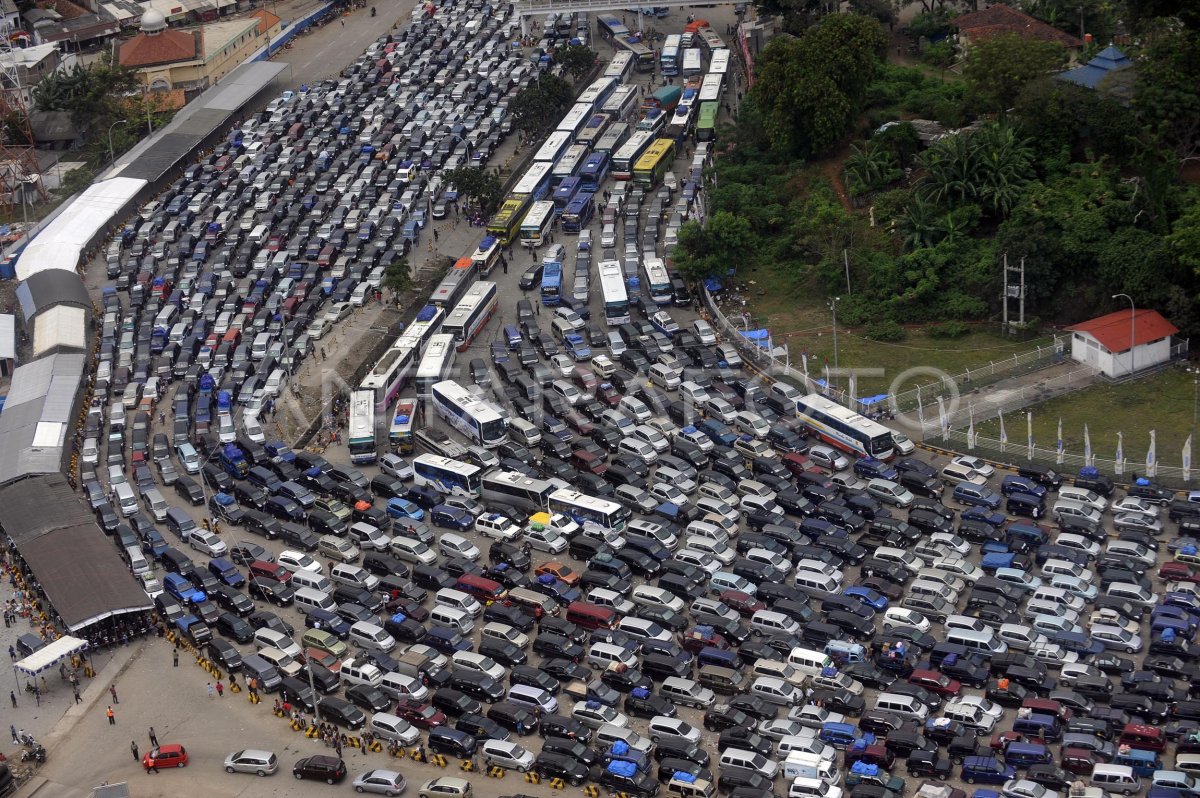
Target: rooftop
x=1114 y=332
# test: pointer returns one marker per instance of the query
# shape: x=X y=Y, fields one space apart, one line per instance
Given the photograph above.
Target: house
x=1000 y=19
x=1109 y=72
x=1124 y=342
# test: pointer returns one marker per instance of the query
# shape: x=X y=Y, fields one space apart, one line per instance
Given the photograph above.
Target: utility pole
x=1012 y=291
x=846 y=260
x=833 y=307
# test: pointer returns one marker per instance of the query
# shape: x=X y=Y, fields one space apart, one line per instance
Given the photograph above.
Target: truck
x=664 y=99
x=234 y=461
x=193 y=629
x=802 y=765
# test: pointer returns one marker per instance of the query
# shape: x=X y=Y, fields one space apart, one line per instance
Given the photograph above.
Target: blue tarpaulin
x=760 y=337
x=871 y=400
x=864 y=769
x=622 y=768
x=684 y=776
x=619 y=748
x=712 y=284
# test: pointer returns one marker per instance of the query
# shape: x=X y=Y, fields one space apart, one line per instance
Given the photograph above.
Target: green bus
x=506 y=224
x=706 y=125
x=655 y=162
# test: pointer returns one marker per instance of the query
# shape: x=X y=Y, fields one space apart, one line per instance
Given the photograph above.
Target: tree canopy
x=537 y=108
x=998 y=68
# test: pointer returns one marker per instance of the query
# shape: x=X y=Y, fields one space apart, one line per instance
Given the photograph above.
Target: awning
x=46 y=658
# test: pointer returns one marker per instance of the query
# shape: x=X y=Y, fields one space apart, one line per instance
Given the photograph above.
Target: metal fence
x=992 y=449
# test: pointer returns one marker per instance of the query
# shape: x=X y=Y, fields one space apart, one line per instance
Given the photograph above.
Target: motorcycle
x=36 y=753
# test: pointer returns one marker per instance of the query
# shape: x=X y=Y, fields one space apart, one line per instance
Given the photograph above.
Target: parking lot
x=754 y=592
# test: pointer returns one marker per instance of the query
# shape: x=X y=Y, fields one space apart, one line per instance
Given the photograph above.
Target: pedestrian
x=211 y=691
x=175 y=658
x=343 y=22
x=220 y=690
x=12 y=653
x=113 y=689
x=78 y=697
x=45 y=687
x=37 y=695
x=435 y=234
x=134 y=749
x=153 y=738
x=151 y=765
x=112 y=718
x=504 y=265
x=13 y=730
x=539 y=308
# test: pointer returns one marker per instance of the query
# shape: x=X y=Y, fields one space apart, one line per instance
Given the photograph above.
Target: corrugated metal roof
x=8 y=336
x=49 y=288
x=62 y=327
x=38 y=414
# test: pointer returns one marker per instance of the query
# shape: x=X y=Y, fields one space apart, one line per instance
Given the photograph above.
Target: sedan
x=381 y=782
x=452 y=545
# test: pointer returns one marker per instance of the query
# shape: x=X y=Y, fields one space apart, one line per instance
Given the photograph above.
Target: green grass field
x=1164 y=402
x=805 y=324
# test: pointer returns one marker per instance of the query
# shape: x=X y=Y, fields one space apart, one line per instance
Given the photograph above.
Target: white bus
x=513 y=487
x=452 y=477
x=404 y=422
x=535 y=183
x=536 y=224
x=570 y=162
x=657 y=280
x=621 y=66
x=612 y=139
x=584 y=509
x=553 y=148
x=427 y=324
x=575 y=119
x=595 y=94
x=616 y=298
x=668 y=57
x=843 y=428
x=710 y=89
x=693 y=62
x=472 y=314
x=623 y=102
x=385 y=380
x=436 y=363
x=488 y=254
x=469 y=414
x=719 y=64
x=631 y=150
x=361 y=430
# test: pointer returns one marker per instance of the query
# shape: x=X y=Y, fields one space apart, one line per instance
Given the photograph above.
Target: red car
x=1000 y=741
x=936 y=682
x=694 y=640
x=423 y=716
x=872 y=754
x=1079 y=760
x=166 y=756
x=608 y=394
x=745 y=604
x=1178 y=572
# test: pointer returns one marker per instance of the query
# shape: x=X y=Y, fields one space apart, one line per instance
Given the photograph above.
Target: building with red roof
x=1000 y=19
x=1123 y=342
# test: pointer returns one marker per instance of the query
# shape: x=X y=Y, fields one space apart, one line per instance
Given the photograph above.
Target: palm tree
x=1006 y=167
x=920 y=223
x=952 y=170
x=869 y=167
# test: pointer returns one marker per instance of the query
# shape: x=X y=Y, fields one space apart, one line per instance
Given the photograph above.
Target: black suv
x=329 y=769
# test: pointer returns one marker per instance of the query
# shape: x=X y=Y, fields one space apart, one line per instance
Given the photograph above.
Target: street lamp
x=833 y=307
x=112 y=157
x=1132 y=329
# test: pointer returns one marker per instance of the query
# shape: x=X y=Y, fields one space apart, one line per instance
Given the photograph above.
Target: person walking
x=220 y=689
x=12 y=696
x=112 y=718
x=78 y=697
x=175 y=658
x=153 y=738
x=13 y=730
x=151 y=765
x=211 y=691
x=113 y=690
x=134 y=749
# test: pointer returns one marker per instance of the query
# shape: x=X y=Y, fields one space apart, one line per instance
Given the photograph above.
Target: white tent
x=50 y=655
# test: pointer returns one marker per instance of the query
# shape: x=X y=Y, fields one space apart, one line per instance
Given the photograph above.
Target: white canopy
x=48 y=656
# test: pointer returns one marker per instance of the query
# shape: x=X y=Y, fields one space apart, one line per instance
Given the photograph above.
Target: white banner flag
x=943 y=420
x=920 y=409
x=853 y=398
x=1003 y=434
x=804 y=362
x=1187 y=459
x=1060 y=442
x=1089 y=456
x=1119 y=467
x=1029 y=433
x=971 y=429
x=1151 y=458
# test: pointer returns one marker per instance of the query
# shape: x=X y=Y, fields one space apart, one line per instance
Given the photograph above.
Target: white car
x=501 y=753
x=652 y=437
x=828 y=457
x=253 y=427
x=895 y=616
x=641 y=629
x=1133 y=504
x=208 y=542
x=662 y=726
x=662 y=320
x=593 y=714
x=453 y=545
x=1115 y=638
x=150 y=584
x=652 y=596
x=702 y=560
x=1106 y=616
x=987 y=706
x=1071 y=540
x=497 y=527
x=704 y=332
x=546 y=539
x=396 y=466
x=902 y=445
x=979 y=466
x=778 y=728
x=951 y=543
x=358 y=297
x=298 y=561
x=1024 y=788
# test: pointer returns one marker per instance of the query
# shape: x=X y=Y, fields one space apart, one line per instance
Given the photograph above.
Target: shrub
x=887 y=331
x=948 y=330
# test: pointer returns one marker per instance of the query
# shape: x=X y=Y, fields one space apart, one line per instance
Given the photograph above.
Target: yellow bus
x=655 y=162
x=507 y=222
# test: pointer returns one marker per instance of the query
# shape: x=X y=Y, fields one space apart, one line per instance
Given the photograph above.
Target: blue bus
x=566 y=191
x=594 y=170
x=578 y=213
x=551 y=284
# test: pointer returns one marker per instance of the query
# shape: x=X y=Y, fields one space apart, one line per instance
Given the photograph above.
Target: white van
x=748 y=761
x=1083 y=496
x=451 y=618
x=156 y=504
x=984 y=642
x=456 y=599
x=304 y=578
x=262 y=343
x=137 y=561
x=308 y=600
x=258 y=236
x=1116 y=778
x=605 y=655
x=126 y=499
x=664 y=376
x=392 y=727
x=368 y=635
x=813 y=788
x=903 y=705
x=524 y=433
x=807 y=660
